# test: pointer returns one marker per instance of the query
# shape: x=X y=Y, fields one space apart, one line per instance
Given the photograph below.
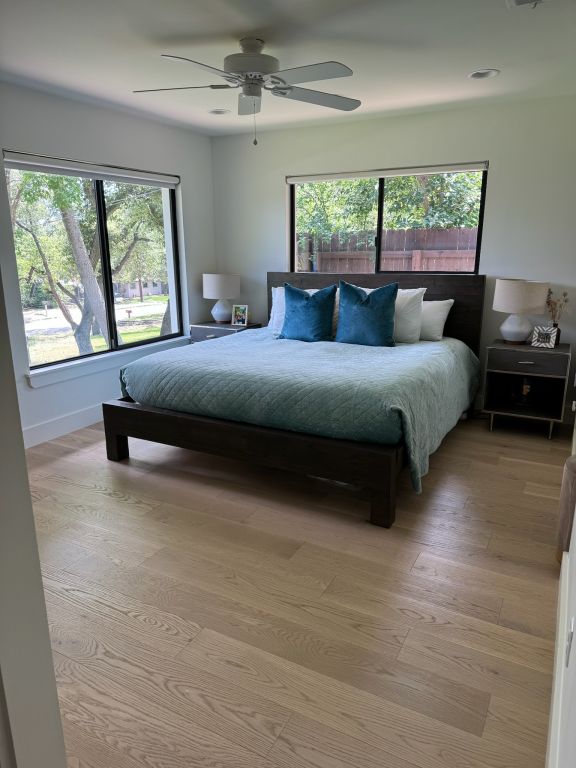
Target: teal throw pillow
x=366 y=318
x=308 y=316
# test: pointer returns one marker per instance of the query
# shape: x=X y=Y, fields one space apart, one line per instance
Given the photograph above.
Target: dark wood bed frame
x=374 y=467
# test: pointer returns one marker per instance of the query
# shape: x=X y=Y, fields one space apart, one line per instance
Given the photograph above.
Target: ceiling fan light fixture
x=483 y=74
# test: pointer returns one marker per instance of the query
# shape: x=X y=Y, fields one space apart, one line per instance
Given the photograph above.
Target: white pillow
x=434 y=316
x=407 y=314
x=279 y=310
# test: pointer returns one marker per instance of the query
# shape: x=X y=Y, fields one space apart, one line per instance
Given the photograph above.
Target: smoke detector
x=513 y=4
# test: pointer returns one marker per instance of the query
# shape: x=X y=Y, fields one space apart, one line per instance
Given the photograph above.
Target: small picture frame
x=544 y=336
x=240 y=314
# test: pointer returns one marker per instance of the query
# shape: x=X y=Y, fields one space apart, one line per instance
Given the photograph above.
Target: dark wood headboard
x=465 y=318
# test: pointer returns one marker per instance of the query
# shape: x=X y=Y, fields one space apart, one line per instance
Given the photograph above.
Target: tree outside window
x=63 y=266
x=430 y=222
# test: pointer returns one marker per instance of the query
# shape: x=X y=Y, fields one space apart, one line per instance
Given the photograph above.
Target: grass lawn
x=160 y=298
x=51 y=348
x=128 y=337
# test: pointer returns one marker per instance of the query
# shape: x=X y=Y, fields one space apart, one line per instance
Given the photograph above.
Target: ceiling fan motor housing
x=251 y=64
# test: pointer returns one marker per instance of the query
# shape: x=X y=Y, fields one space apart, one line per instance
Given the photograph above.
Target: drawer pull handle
x=525 y=362
x=210 y=335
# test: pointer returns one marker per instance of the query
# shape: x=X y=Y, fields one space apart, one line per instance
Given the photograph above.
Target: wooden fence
x=398 y=261
x=405 y=250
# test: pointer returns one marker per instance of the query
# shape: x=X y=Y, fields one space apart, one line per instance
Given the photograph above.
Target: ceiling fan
x=253 y=71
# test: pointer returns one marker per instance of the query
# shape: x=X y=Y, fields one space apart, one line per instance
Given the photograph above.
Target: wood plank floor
x=204 y=613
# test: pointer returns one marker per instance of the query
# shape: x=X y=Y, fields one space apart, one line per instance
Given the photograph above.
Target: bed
x=271 y=402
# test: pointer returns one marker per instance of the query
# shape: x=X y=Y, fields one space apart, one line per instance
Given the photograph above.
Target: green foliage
x=41 y=195
x=61 y=191
x=135 y=227
x=326 y=207
x=48 y=259
x=35 y=294
x=439 y=200
x=346 y=206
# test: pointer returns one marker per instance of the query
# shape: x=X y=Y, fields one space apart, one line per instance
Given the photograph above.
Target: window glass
x=336 y=225
x=67 y=276
x=59 y=265
x=430 y=223
x=138 y=219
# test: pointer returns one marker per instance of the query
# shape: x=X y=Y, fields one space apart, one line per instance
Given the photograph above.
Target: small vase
x=557 y=342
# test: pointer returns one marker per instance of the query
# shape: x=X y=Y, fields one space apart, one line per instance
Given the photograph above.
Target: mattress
x=410 y=392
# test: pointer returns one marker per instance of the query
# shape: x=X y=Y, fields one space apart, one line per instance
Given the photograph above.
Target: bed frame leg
x=116 y=446
x=383 y=508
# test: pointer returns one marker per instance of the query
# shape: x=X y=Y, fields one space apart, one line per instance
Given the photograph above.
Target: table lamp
x=519 y=298
x=221 y=287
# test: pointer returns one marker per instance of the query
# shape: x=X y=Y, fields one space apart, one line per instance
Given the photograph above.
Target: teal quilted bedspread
x=414 y=392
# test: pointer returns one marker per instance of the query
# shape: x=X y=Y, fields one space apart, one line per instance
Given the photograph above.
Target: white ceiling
x=405 y=54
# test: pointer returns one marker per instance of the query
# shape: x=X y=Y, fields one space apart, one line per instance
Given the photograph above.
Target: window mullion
x=107 y=283
x=379 y=224
x=176 y=257
x=480 y=221
x=292 y=226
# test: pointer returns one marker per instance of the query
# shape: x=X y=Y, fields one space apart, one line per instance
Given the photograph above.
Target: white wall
x=44 y=124
x=26 y=671
x=529 y=225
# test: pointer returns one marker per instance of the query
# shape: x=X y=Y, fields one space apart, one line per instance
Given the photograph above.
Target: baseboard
x=555 y=724
x=48 y=430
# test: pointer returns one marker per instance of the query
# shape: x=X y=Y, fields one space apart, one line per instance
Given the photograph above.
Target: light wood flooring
x=204 y=613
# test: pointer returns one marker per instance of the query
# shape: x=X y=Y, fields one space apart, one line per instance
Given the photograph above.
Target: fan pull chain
x=255 y=142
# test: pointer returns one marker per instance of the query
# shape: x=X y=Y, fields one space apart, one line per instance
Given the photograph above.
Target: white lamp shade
x=520 y=297
x=220 y=286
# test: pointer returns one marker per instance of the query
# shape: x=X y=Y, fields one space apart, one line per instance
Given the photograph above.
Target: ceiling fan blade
x=206 y=67
x=248 y=105
x=184 y=88
x=326 y=70
x=318 y=97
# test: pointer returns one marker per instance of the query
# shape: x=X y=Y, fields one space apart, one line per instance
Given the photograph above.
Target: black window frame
x=108 y=285
x=379 y=221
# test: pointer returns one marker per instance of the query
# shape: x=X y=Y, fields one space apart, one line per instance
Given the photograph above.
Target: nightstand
x=526 y=382
x=206 y=331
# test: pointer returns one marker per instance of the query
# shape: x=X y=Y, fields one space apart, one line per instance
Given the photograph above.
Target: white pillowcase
x=279 y=310
x=434 y=316
x=407 y=313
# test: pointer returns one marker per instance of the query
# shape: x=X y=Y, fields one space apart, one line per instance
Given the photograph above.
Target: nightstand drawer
x=198 y=333
x=528 y=361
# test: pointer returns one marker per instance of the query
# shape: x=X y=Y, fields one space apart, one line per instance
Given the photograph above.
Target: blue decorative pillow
x=308 y=316
x=367 y=318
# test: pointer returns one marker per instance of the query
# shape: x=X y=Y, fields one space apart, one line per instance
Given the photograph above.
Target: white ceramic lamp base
x=222 y=311
x=516 y=329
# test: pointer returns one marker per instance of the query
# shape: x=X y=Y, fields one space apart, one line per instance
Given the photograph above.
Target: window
x=87 y=248
x=415 y=220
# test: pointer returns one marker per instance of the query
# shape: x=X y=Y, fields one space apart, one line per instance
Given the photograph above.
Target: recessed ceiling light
x=483 y=74
x=512 y=4
x=219 y=111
